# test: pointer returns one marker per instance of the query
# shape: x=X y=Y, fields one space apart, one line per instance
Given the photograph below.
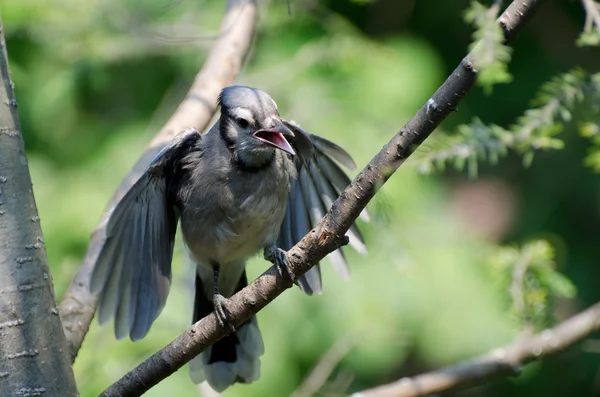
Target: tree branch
x=222 y=65
x=505 y=361
x=328 y=235
x=33 y=355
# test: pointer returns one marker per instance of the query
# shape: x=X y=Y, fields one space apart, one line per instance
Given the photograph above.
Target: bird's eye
x=242 y=123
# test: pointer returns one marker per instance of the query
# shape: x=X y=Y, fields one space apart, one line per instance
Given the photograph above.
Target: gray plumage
x=253 y=181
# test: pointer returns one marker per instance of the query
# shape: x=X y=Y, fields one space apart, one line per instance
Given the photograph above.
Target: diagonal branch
x=504 y=361
x=222 y=65
x=329 y=233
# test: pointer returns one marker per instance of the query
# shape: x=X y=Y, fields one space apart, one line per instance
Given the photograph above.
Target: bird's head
x=250 y=122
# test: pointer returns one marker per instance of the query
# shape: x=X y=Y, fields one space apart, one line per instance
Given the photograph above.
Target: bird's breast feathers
x=245 y=218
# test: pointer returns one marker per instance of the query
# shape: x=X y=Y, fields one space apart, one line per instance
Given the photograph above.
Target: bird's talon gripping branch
x=220 y=304
x=279 y=258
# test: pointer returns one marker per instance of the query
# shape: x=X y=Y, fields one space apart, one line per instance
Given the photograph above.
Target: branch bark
x=504 y=361
x=222 y=65
x=328 y=235
x=33 y=353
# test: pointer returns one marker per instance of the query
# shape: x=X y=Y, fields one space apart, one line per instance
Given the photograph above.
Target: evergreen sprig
x=489 y=53
x=555 y=104
x=528 y=278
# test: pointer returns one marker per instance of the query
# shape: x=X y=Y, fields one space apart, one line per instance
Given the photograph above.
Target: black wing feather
x=132 y=274
x=320 y=181
x=295 y=225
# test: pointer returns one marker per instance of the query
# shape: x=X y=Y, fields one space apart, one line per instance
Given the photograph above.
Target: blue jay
x=253 y=182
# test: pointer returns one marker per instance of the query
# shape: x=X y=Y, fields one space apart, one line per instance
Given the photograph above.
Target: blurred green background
x=96 y=79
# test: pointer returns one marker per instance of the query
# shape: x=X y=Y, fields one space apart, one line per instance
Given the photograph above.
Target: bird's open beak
x=275 y=136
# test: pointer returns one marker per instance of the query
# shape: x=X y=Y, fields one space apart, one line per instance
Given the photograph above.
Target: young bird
x=253 y=182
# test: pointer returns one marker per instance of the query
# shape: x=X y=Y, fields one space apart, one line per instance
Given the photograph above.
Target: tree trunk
x=34 y=359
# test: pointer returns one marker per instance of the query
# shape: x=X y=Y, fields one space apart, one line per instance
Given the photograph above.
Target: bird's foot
x=220 y=304
x=279 y=258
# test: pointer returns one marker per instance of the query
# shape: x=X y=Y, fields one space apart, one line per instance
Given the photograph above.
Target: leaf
x=528 y=158
x=558 y=284
x=488 y=52
x=588 y=39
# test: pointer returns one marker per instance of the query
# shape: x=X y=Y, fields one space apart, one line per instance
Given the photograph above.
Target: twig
x=517 y=286
x=505 y=361
x=223 y=64
x=338 y=385
x=223 y=31
x=328 y=235
x=321 y=372
x=592 y=11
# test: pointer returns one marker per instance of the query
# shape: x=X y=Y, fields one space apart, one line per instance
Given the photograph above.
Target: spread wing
x=320 y=181
x=132 y=274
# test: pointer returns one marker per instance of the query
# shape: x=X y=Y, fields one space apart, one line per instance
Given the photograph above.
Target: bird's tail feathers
x=234 y=358
x=220 y=368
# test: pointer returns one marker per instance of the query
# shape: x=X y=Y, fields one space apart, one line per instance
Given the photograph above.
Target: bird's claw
x=220 y=304
x=279 y=258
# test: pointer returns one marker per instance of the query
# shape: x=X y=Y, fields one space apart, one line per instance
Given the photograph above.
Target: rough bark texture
x=34 y=359
x=328 y=235
x=223 y=64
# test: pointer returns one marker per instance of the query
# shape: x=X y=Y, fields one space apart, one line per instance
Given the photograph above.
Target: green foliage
x=589 y=122
x=528 y=279
x=588 y=39
x=489 y=53
x=469 y=145
x=557 y=100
